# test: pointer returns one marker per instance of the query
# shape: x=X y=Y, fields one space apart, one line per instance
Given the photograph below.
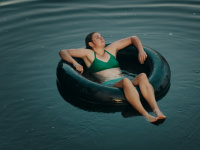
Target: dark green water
x=34 y=116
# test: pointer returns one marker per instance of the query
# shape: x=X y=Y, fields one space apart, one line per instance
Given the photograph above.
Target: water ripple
x=33 y=32
x=13 y=2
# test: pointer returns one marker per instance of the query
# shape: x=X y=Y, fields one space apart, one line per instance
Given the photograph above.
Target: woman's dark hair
x=89 y=39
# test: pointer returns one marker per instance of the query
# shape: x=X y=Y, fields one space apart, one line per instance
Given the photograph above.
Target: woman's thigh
x=122 y=83
x=119 y=84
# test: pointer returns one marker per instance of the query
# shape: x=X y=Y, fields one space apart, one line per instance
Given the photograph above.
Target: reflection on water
x=34 y=115
x=12 y=2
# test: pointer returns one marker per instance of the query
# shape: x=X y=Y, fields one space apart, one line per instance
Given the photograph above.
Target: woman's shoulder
x=89 y=54
x=80 y=52
x=111 y=49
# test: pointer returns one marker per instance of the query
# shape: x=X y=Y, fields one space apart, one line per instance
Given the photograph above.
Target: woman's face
x=98 y=40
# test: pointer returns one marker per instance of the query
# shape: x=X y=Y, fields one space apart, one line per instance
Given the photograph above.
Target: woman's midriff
x=108 y=74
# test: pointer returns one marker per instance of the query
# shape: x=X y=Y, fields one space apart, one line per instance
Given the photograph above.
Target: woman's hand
x=142 y=57
x=78 y=67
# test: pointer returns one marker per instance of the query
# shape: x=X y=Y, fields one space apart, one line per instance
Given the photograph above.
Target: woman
x=101 y=61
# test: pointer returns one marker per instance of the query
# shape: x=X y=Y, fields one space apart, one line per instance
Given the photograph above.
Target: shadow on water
x=126 y=109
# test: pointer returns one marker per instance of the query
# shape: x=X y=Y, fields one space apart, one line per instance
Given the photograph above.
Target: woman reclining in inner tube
x=101 y=61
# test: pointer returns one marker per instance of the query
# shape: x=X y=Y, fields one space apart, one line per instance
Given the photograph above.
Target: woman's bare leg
x=148 y=93
x=133 y=98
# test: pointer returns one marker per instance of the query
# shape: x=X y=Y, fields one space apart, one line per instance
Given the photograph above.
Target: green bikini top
x=98 y=65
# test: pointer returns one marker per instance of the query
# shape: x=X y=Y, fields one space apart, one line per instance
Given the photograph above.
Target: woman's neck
x=99 y=51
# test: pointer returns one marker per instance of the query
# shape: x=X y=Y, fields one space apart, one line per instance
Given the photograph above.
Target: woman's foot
x=159 y=114
x=151 y=119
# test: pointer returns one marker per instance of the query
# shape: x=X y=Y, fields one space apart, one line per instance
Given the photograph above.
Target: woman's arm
x=68 y=54
x=118 y=45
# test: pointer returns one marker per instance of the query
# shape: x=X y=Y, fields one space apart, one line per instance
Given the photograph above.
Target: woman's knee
x=126 y=81
x=143 y=77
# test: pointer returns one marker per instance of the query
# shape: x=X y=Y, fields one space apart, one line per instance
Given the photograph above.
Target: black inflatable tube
x=85 y=87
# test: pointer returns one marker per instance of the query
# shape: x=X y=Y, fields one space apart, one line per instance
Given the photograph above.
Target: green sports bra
x=98 y=65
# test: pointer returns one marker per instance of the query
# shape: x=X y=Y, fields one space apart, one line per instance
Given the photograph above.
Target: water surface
x=34 y=115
